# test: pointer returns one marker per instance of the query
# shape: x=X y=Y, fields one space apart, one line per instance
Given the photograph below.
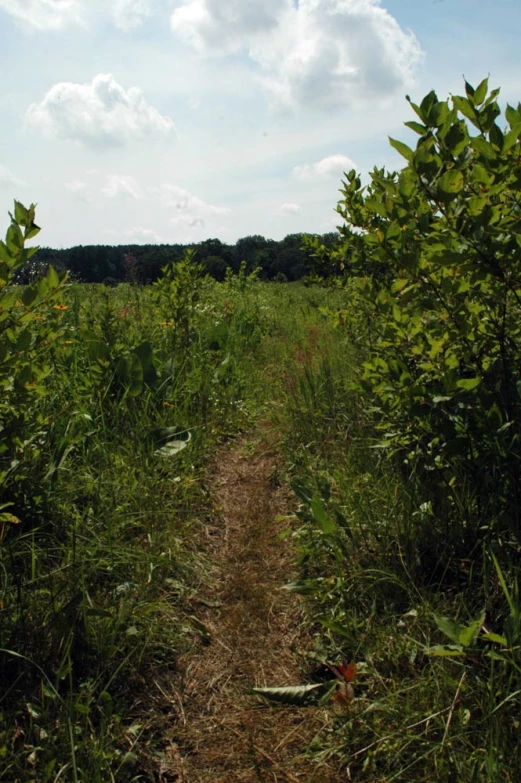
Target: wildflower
x=167 y=323
x=68 y=342
x=60 y=307
x=169 y=404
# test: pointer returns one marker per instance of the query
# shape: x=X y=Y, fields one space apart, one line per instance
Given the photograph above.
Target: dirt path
x=254 y=637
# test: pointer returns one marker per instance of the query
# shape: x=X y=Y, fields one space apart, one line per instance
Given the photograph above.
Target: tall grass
x=97 y=578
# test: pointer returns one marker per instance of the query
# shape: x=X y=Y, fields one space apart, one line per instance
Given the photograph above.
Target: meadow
x=394 y=390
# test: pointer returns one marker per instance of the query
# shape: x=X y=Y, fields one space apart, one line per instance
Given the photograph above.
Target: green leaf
x=451 y=183
x=326 y=524
x=496 y=136
x=470 y=633
x=416 y=127
x=464 y=106
x=402 y=148
x=52 y=278
x=29 y=296
x=469 y=89
x=446 y=650
x=512 y=137
x=408 y=182
x=457 y=138
x=481 y=92
x=469 y=384
x=449 y=627
x=513 y=116
x=169 y=441
x=295 y=695
x=481 y=145
x=21 y=214
x=494 y=637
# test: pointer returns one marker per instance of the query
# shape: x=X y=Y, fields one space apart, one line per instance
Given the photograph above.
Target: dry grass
x=255 y=637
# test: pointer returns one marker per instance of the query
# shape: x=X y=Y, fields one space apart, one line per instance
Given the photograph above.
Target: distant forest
x=284 y=260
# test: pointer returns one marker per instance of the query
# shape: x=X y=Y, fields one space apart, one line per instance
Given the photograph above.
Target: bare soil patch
x=254 y=637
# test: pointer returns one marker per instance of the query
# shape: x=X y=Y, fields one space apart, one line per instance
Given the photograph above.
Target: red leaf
x=348 y=671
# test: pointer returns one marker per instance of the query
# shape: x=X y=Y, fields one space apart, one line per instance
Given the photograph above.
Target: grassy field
x=113 y=403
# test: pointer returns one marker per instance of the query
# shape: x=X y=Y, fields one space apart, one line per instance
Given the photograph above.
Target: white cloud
x=321 y=54
x=128 y=14
x=290 y=209
x=186 y=204
x=8 y=180
x=98 y=114
x=223 y=26
x=43 y=14
x=332 y=166
x=121 y=186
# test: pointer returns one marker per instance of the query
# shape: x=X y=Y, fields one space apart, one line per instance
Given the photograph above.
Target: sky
x=143 y=121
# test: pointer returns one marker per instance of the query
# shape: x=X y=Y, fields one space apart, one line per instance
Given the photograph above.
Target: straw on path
x=255 y=637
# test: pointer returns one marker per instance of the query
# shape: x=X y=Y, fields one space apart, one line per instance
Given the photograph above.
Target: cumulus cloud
x=8 y=180
x=223 y=27
x=290 y=209
x=332 y=166
x=317 y=54
x=43 y=14
x=128 y=14
x=121 y=186
x=98 y=114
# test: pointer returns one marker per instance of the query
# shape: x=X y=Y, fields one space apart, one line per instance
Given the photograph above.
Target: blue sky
x=179 y=120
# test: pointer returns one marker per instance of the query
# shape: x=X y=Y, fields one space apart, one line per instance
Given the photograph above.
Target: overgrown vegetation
x=112 y=402
x=408 y=459
x=396 y=387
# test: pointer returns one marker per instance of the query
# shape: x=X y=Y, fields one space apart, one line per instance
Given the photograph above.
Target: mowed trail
x=255 y=637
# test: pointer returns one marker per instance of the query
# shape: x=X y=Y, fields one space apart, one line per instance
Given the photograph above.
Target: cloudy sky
x=179 y=120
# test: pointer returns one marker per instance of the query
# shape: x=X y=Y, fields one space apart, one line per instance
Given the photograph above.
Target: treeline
x=284 y=260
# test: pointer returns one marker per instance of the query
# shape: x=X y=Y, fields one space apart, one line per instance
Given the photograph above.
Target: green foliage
x=28 y=327
x=437 y=252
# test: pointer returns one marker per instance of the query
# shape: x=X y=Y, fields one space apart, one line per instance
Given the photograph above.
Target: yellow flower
x=68 y=342
x=169 y=404
x=167 y=323
x=60 y=307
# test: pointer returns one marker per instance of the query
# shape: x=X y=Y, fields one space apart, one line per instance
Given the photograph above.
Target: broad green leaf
x=326 y=524
x=481 y=145
x=408 y=182
x=464 y=106
x=21 y=214
x=457 y=138
x=52 y=278
x=512 y=137
x=169 y=441
x=416 y=127
x=469 y=384
x=497 y=137
x=470 y=633
x=513 y=116
x=451 y=183
x=97 y=348
x=481 y=92
x=402 y=148
x=449 y=627
x=494 y=637
x=173 y=447
x=29 y=295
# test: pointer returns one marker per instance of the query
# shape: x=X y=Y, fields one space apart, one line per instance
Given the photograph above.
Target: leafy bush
x=436 y=249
